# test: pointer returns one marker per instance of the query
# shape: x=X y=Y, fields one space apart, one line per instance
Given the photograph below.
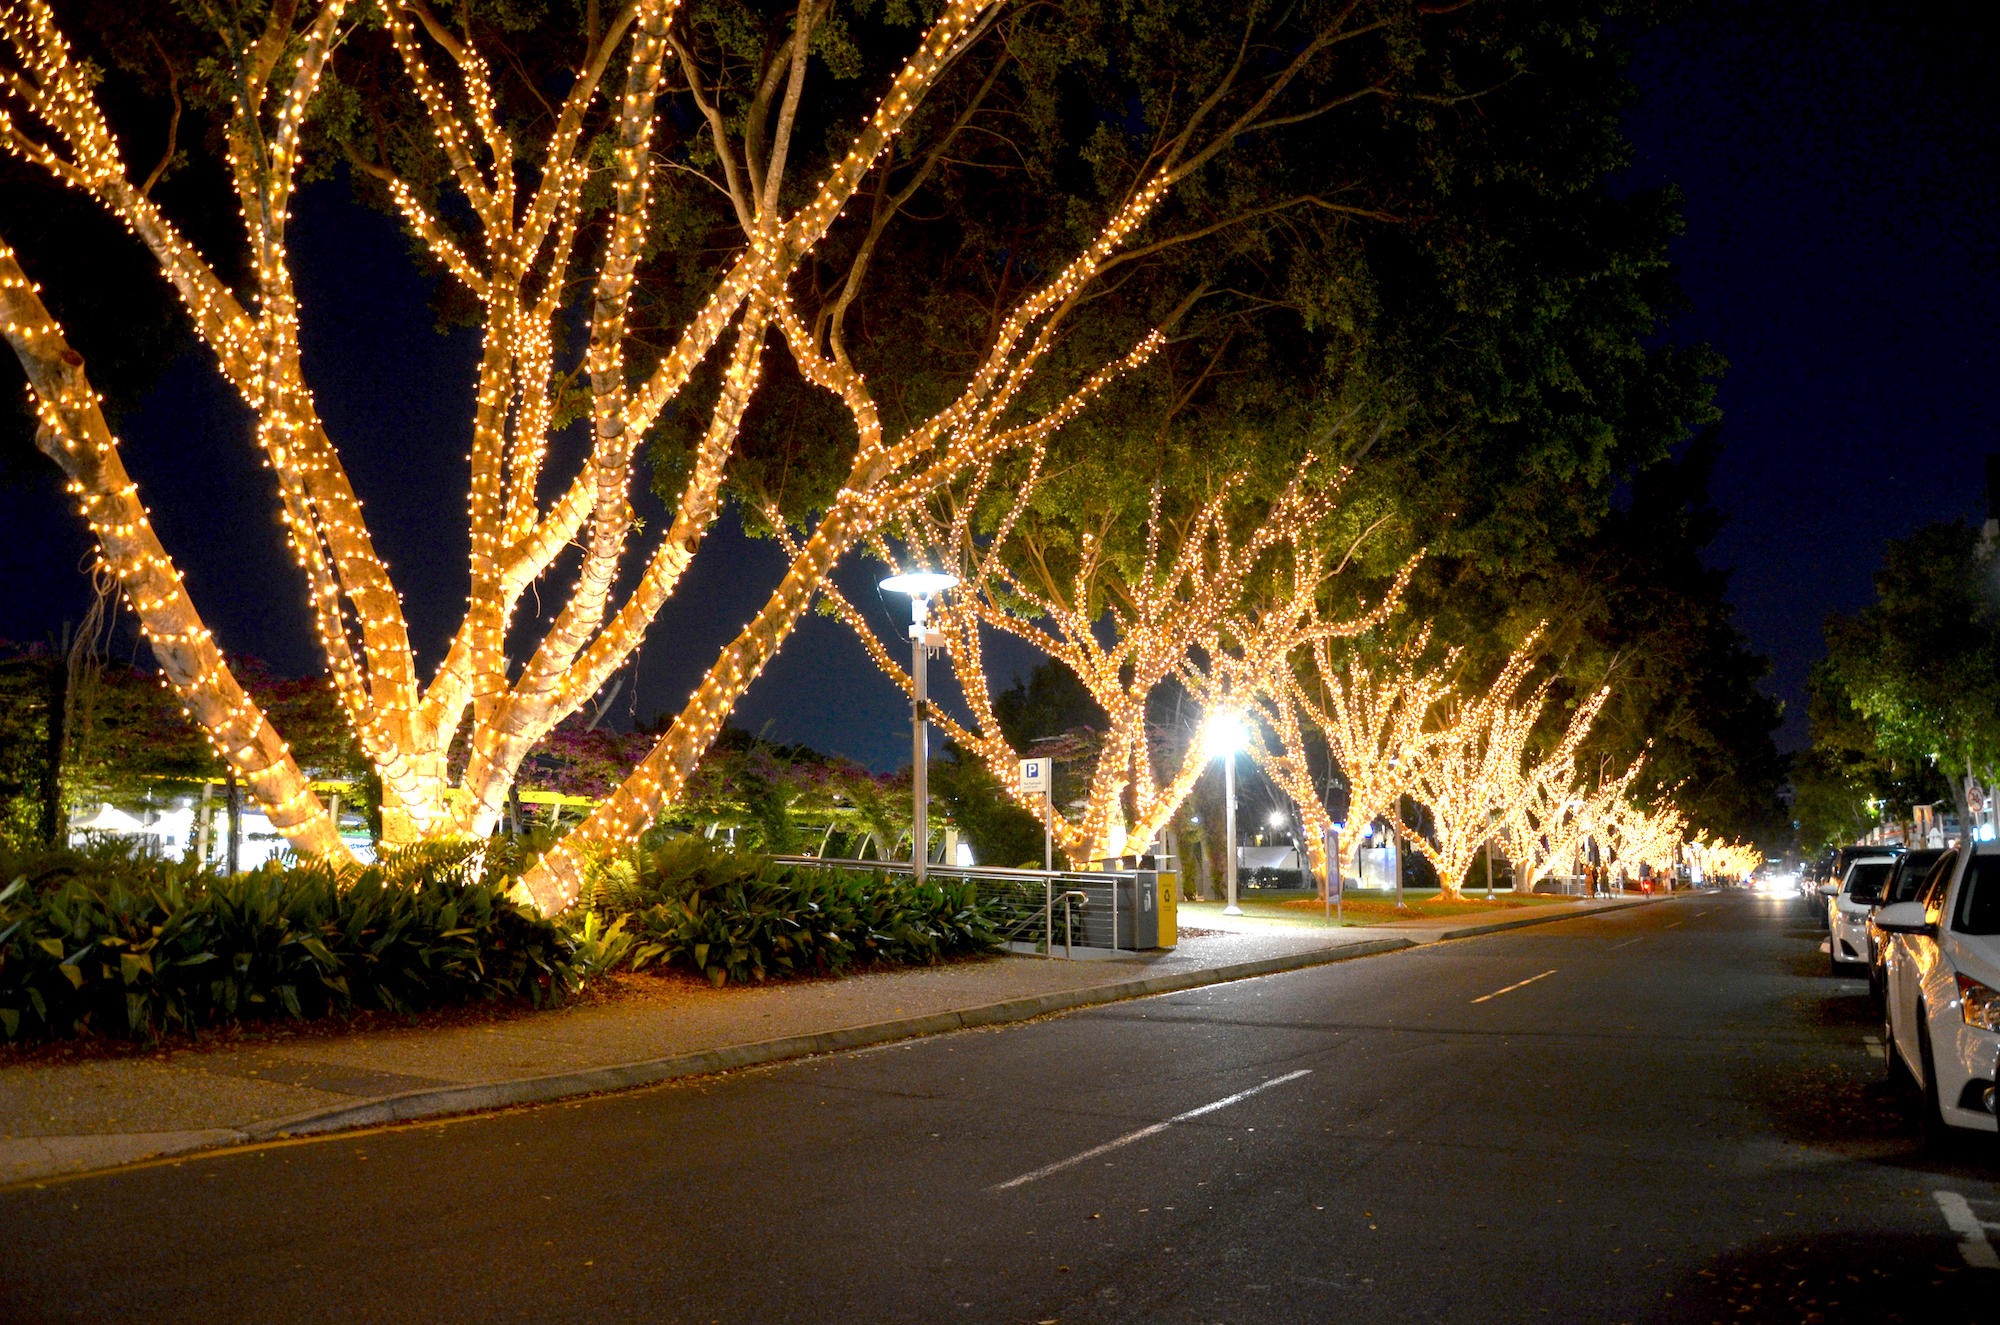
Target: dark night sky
x=1838 y=162
x=1838 y=178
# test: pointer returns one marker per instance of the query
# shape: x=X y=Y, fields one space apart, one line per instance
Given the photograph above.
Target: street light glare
x=1277 y=819
x=1226 y=734
x=920 y=583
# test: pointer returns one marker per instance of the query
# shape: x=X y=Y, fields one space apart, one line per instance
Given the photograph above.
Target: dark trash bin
x=1139 y=910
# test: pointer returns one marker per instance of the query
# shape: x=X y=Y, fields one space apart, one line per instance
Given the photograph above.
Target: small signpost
x=1035 y=777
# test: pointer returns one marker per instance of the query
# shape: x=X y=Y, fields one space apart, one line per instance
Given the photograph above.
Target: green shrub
x=115 y=943
x=741 y=917
x=112 y=942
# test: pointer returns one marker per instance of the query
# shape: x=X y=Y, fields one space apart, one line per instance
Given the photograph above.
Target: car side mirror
x=1904 y=918
x=1828 y=889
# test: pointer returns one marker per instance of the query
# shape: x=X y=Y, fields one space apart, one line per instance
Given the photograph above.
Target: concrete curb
x=444 y=1101
x=27 y=1161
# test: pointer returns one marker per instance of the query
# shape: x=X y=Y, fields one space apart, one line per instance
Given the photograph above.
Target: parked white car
x=1942 y=1026
x=1913 y=871
x=1848 y=909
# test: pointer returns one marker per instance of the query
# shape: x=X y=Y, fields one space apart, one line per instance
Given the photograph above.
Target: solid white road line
x=1971 y=1230
x=1511 y=988
x=1627 y=943
x=1145 y=1132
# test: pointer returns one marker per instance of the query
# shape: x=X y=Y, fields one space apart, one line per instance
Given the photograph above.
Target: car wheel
x=1898 y=1071
x=1939 y=1139
x=1878 y=989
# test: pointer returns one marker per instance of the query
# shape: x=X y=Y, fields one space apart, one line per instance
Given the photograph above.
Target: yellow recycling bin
x=1170 y=894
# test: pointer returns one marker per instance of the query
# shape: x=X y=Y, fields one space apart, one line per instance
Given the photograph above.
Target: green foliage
x=739 y=917
x=601 y=947
x=773 y=792
x=1921 y=664
x=999 y=831
x=1906 y=704
x=24 y=748
x=128 y=733
x=113 y=943
x=1845 y=782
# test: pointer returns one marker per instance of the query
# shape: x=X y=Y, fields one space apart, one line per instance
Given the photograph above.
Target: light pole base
x=1232 y=910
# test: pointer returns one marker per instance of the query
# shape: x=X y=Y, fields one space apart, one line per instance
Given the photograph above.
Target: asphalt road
x=1665 y=1114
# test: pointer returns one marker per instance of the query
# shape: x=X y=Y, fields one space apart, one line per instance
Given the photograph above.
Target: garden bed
x=108 y=945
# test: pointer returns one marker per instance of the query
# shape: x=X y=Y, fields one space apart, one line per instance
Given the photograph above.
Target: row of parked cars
x=1924 y=928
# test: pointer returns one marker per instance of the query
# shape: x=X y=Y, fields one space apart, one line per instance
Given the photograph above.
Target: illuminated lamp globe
x=1226 y=735
x=920 y=583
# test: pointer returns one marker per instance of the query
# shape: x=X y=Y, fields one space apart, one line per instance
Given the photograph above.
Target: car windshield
x=1865 y=880
x=1979 y=898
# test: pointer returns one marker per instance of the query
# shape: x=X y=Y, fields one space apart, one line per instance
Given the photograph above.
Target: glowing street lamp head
x=1226 y=734
x=921 y=586
x=920 y=583
x=1277 y=819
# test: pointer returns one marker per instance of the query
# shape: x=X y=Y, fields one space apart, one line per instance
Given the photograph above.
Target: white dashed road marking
x=1145 y=1132
x=1511 y=988
x=1971 y=1230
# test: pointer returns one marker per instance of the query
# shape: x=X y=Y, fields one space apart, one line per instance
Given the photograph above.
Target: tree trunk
x=232 y=853
x=73 y=433
x=205 y=824
x=1962 y=803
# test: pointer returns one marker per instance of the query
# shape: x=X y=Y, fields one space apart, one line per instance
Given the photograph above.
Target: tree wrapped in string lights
x=513 y=219
x=1716 y=859
x=1646 y=837
x=1254 y=665
x=1126 y=627
x=1474 y=768
x=1372 y=707
x=1558 y=814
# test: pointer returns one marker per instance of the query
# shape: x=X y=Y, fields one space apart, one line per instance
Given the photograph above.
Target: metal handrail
x=1071 y=898
x=968 y=871
x=1083 y=899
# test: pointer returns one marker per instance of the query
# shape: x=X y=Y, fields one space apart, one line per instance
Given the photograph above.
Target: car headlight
x=1980 y=1004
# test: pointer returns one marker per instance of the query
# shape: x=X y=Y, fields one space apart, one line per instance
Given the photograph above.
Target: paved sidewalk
x=71 y=1117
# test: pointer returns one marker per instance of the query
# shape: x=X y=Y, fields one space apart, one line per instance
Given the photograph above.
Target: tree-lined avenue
x=1685 y=1122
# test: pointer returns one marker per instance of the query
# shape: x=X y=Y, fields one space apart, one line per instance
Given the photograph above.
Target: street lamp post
x=1333 y=881
x=1227 y=735
x=921 y=586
